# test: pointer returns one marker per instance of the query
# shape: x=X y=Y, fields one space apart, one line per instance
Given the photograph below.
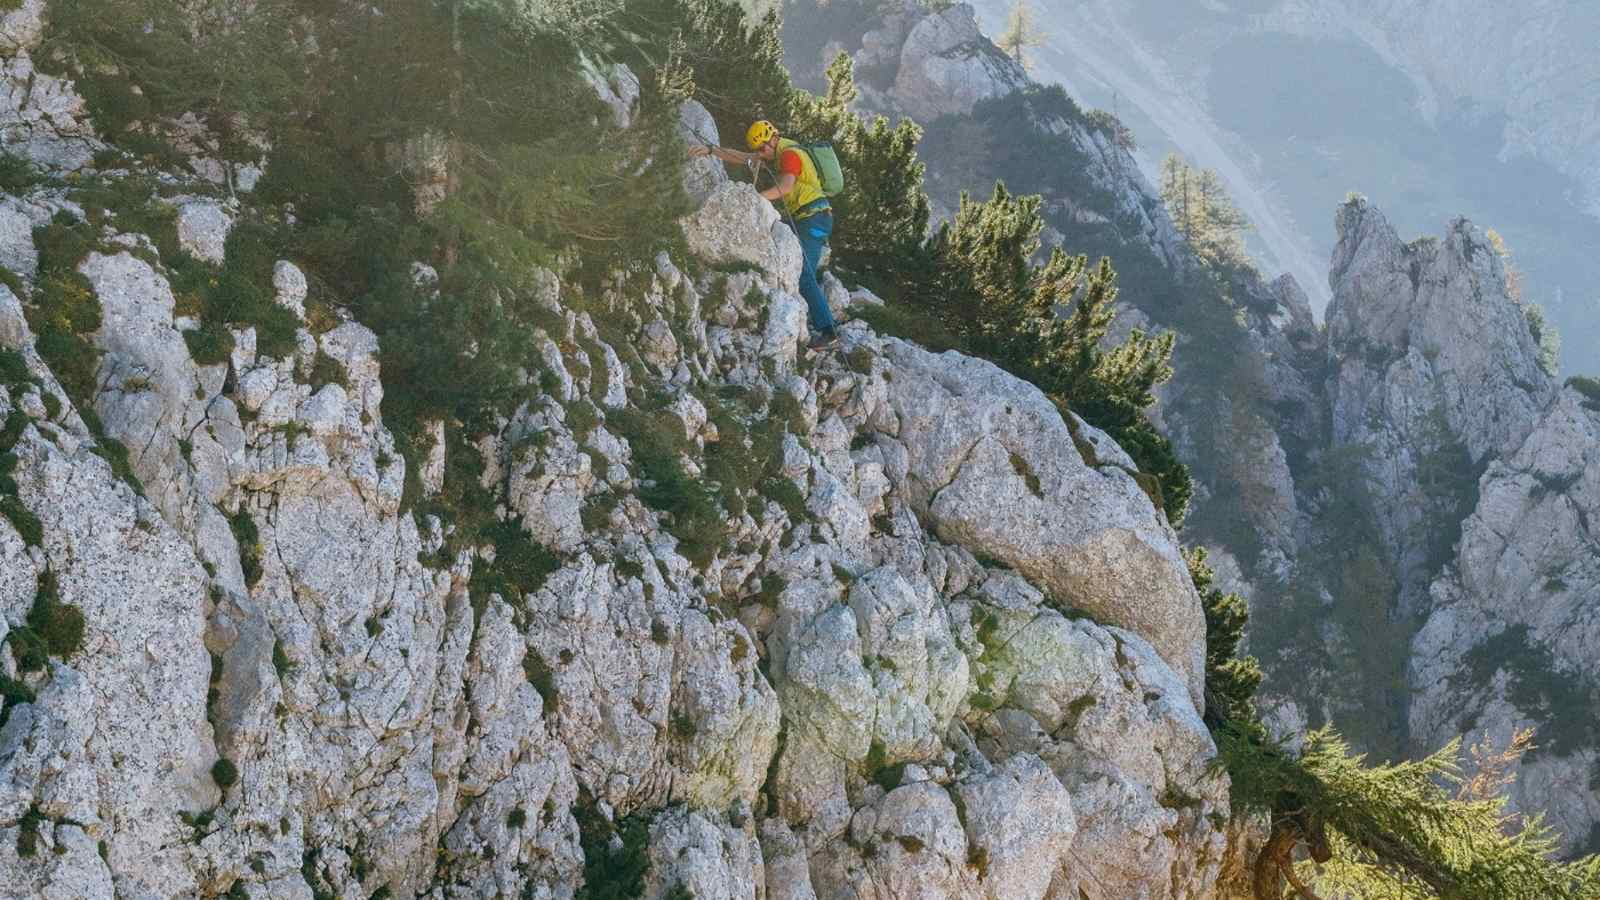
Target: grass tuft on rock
x=249 y=540
x=543 y=679
x=224 y=773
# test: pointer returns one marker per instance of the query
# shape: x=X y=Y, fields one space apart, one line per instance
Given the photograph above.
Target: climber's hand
x=699 y=151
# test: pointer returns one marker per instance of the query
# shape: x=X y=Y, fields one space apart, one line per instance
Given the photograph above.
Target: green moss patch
x=249 y=540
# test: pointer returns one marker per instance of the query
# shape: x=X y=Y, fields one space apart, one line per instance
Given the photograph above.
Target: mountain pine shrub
x=1415 y=830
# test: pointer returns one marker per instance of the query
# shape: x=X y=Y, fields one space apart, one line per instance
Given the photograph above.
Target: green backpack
x=826 y=161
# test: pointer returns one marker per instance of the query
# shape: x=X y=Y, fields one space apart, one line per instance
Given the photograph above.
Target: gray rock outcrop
x=932 y=650
x=946 y=65
x=1432 y=355
x=1509 y=642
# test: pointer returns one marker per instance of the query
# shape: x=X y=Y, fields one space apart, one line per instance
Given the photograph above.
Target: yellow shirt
x=807 y=184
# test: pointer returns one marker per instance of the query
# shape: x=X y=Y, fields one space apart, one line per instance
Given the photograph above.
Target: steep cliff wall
x=1407 y=472
x=752 y=624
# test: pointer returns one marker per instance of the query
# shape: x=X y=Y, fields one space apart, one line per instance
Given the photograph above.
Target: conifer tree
x=1203 y=213
x=735 y=63
x=881 y=219
x=1047 y=324
x=1020 y=35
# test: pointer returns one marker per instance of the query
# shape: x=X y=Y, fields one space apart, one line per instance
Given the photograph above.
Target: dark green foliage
x=198 y=822
x=28 y=832
x=1046 y=324
x=51 y=627
x=213 y=689
x=13 y=369
x=241 y=294
x=1395 y=830
x=1231 y=679
x=129 y=205
x=1589 y=388
x=733 y=66
x=209 y=344
x=679 y=891
x=1563 y=700
x=224 y=773
x=782 y=490
x=59 y=625
x=13 y=283
x=17 y=174
x=11 y=432
x=879 y=770
x=683 y=725
x=64 y=307
x=597 y=508
x=975 y=286
x=543 y=680
x=1386 y=830
x=12 y=692
x=22 y=519
x=696 y=515
x=249 y=540
x=72 y=359
x=520 y=565
x=313 y=878
x=772 y=587
x=534 y=168
x=615 y=860
x=115 y=453
x=881 y=218
x=135 y=60
x=517 y=818
x=280 y=659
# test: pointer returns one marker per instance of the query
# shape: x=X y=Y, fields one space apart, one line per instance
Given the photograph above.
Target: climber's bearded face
x=769 y=150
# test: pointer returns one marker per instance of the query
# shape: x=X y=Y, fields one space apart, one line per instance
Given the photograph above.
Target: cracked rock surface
x=932 y=651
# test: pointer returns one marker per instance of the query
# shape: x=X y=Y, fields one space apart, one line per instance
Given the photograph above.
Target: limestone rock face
x=1517 y=605
x=737 y=226
x=947 y=65
x=380 y=712
x=99 y=761
x=703 y=175
x=203 y=227
x=1432 y=355
x=996 y=469
x=42 y=117
x=923 y=648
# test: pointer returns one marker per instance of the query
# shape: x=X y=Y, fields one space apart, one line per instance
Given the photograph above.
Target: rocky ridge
x=288 y=683
x=1423 y=398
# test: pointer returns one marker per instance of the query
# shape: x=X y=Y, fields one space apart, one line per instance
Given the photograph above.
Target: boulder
x=203 y=227
x=701 y=176
x=995 y=468
x=947 y=65
x=737 y=226
x=1016 y=818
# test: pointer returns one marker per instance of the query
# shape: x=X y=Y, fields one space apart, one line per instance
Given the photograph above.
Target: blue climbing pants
x=813 y=232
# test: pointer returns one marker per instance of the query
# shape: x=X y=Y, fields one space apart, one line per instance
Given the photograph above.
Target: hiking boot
x=822 y=340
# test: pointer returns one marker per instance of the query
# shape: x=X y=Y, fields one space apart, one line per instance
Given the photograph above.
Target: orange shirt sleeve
x=789 y=163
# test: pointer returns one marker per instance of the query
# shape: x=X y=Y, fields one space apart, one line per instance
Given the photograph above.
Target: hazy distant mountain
x=1433 y=109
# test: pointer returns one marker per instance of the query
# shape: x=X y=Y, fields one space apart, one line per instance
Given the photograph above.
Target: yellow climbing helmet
x=759 y=133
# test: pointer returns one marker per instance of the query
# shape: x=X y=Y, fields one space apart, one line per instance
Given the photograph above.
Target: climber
x=799 y=186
